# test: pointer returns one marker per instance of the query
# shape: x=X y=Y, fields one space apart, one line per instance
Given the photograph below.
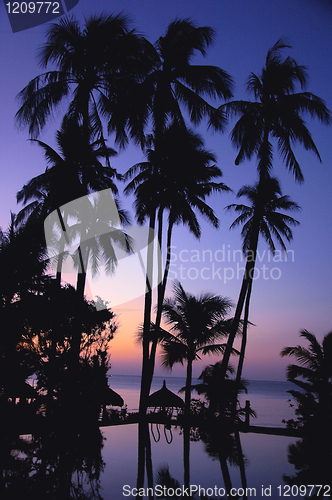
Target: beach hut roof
x=165 y=398
x=110 y=397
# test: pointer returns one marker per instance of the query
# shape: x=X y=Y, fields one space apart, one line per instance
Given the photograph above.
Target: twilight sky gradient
x=288 y=295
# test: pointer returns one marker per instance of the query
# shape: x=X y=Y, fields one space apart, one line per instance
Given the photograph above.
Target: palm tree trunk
x=243 y=348
x=241 y=463
x=146 y=325
x=80 y=287
x=188 y=389
x=186 y=426
x=145 y=379
x=149 y=468
x=248 y=276
x=56 y=329
x=236 y=321
x=186 y=454
x=141 y=454
x=161 y=296
x=225 y=473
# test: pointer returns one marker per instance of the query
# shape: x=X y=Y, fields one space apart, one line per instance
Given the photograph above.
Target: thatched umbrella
x=110 y=397
x=164 y=398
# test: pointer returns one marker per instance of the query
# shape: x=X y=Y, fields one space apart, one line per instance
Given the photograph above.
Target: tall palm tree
x=277 y=115
x=175 y=83
x=184 y=179
x=67 y=177
x=262 y=217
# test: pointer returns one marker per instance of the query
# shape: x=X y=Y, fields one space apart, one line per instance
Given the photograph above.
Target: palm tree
x=314 y=375
x=98 y=68
x=209 y=386
x=276 y=113
x=183 y=181
x=63 y=181
x=174 y=83
x=262 y=217
x=67 y=177
x=196 y=324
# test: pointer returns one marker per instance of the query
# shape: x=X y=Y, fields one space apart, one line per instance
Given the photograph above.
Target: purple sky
x=301 y=296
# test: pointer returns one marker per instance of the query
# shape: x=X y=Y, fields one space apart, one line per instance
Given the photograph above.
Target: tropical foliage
x=312 y=455
x=197 y=324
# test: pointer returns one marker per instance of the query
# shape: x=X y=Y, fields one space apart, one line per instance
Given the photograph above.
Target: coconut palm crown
x=276 y=113
x=268 y=200
x=196 y=325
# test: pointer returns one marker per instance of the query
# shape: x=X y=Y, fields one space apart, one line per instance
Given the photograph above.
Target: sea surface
x=269 y=399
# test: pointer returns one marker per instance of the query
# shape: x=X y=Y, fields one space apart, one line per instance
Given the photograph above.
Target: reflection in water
x=226 y=447
x=65 y=463
x=221 y=445
x=312 y=458
x=61 y=462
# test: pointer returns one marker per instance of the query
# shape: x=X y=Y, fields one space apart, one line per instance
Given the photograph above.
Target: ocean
x=269 y=399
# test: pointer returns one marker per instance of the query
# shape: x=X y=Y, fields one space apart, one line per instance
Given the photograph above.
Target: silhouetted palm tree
x=174 y=81
x=262 y=217
x=314 y=369
x=209 y=386
x=276 y=113
x=196 y=324
x=173 y=84
x=312 y=455
x=98 y=66
x=183 y=181
x=72 y=173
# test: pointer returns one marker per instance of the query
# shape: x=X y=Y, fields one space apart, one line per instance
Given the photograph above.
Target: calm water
x=265 y=456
